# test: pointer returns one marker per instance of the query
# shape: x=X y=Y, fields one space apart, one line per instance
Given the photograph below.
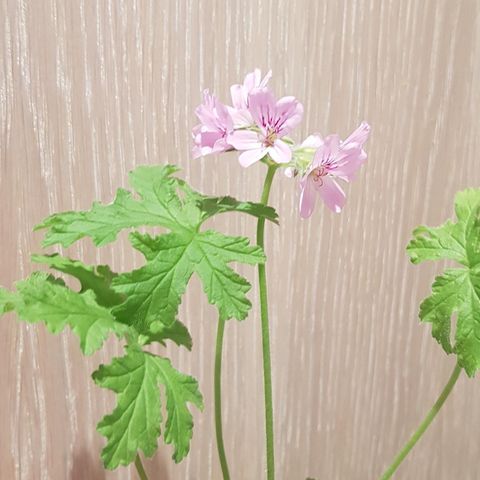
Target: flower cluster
x=257 y=125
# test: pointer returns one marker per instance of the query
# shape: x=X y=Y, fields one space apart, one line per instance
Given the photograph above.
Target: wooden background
x=90 y=89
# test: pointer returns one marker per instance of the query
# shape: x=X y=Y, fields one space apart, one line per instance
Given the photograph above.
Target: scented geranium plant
x=140 y=307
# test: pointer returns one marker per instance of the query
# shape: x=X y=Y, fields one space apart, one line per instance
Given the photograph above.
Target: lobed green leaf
x=135 y=423
x=211 y=206
x=153 y=292
x=41 y=298
x=457 y=290
x=98 y=279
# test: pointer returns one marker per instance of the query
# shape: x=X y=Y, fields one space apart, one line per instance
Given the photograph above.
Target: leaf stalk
x=140 y=470
x=424 y=425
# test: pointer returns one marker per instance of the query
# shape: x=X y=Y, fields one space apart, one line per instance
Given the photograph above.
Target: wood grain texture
x=89 y=89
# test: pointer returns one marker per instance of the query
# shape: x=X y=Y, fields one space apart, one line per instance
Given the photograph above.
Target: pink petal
x=280 y=152
x=208 y=139
x=307 y=197
x=332 y=194
x=312 y=141
x=261 y=104
x=349 y=161
x=244 y=140
x=196 y=151
x=252 y=80
x=225 y=120
x=360 y=135
x=238 y=97
x=332 y=145
x=250 y=157
x=241 y=118
x=289 y=111
x=266 y=79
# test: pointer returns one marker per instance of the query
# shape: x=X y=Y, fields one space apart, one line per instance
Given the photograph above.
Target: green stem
x=218 y=399
x=424 y=425
x=267 y=364
x=141 y=471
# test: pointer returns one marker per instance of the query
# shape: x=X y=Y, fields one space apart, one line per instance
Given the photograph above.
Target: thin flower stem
x=424 y=425
x=218 y=399
x=267 y=364
x=140 y=470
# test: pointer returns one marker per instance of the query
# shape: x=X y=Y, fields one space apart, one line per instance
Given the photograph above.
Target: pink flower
x=333 y=160
x=210 y=136
x=240 y=113
x=274 y=120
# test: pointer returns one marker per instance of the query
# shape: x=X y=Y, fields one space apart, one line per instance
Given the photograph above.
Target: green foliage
x=98 y=279
x=41 y=299
x=7 y=301
x=141 y=305
x=153 y=293
x=136 y=420
x=457 y=290
x=163 y=200
x=214 y=205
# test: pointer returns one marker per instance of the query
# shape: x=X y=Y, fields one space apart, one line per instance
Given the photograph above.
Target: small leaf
x=40 y=298
x=135 y=423
x=176 y=332
x=8 y=301
x=457 y=290
x=96 y=279
x=214 y=205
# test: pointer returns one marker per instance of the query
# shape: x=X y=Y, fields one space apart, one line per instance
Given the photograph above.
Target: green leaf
x=98 y=279
x=214 y=205
x=176 y=332
x=40 y=298
x=153 y=292
x=135 y=423
x=158 y=205
x=163 y=200
x=8 y=301
x=457 y=290
x=225 y=288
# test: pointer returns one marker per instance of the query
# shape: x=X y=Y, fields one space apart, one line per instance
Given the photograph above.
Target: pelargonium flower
x=216 y=123
x=303 y=154
x=239 y=112
x=332 y=160
x=274 y=119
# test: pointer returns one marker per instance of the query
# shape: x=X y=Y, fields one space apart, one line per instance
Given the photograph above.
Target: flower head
x=333 y=160
x=273 y=119
x=239 y=112
x=210 y=136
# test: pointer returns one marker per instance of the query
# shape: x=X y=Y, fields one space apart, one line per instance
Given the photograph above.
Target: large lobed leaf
x=152 y=294
x=135 y=423
x=163 y=200
x=457 y=290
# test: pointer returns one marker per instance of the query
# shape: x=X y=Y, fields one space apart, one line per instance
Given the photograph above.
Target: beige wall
x=90 y=89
